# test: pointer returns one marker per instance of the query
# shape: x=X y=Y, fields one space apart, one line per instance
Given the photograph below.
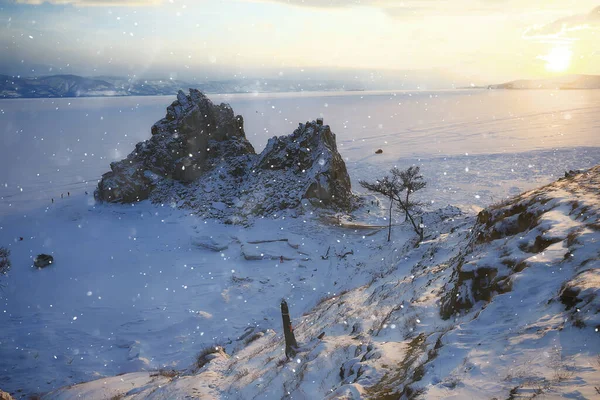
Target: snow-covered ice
x=148 y=286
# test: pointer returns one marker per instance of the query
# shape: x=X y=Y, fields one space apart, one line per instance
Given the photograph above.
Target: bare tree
x=393 y=186
x=389 y=187
x=411 y=181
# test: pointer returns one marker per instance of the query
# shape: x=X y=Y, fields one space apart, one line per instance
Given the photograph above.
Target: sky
x=458 y=41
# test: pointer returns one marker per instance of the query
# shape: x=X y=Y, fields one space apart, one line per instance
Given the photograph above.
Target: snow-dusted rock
x=199 y=158
x=184 y=144
x=214 y=243
x=310 y=151
x=581 y=295
x=546 y=226
x=43 y=260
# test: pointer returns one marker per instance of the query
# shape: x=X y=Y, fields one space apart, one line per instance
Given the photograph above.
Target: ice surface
x=132 y=286
x=53 y=146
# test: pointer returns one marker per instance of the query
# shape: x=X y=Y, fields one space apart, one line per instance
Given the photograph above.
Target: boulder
x=43 y=260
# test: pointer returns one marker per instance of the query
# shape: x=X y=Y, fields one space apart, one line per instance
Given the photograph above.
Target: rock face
x=311 y=151
x=199 y=157
x=193 y=134
x=546 y=227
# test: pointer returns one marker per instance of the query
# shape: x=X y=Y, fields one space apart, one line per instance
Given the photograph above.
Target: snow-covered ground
x=520 y=318
x=144 y=287
x=139 y=287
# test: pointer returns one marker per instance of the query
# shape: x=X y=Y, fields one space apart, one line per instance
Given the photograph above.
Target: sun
x=558 y=59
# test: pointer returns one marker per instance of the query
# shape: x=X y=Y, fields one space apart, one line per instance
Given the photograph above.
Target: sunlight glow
x=558 y=59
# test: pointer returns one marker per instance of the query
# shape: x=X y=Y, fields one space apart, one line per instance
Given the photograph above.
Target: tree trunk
x=406 y=214
x=390 y=220
x=418 y=230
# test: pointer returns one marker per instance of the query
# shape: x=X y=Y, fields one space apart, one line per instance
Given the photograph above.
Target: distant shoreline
x=306 y=93
x=524 y=88
x=567 y=82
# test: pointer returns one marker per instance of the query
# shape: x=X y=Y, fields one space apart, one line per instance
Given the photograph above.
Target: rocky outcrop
x=310 y=151
x=193 y=134
x=552 y=225
x=199 y=157
x=581 y=296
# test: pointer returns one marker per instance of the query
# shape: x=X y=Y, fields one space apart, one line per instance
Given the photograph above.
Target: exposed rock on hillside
x=546 y=225
x=199 y=157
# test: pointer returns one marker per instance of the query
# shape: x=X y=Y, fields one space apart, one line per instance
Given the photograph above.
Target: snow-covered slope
x=502 y=305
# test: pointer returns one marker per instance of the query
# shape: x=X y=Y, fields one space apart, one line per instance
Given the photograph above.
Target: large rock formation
x=199 y=157
x=185 y=143
x=310 y=151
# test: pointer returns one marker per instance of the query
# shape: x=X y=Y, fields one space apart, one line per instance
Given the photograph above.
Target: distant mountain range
x=569 y=82
x=78 y=86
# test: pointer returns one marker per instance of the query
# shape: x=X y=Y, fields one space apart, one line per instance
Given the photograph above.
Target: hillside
x=499 y=305
x=569 y=82
x=12 y=87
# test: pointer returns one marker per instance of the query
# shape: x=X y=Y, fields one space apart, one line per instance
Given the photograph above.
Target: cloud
x=101 y=3
x=397 y=8
x=565 y=28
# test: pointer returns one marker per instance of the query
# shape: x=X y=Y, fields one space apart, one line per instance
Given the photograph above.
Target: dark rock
x=379 y=151
x=43 y=260
x=198 y=156
x=571 y=173
x=184 y=144
x=568 y=296
x=311 y=153
x=581 y=297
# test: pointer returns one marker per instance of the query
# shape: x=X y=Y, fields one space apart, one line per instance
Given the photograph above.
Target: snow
x=214 y=243
x=160 y=287
x=145 y=287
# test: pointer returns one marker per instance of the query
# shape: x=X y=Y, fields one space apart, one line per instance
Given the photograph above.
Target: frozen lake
x=54 y=146
x=130 y=291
